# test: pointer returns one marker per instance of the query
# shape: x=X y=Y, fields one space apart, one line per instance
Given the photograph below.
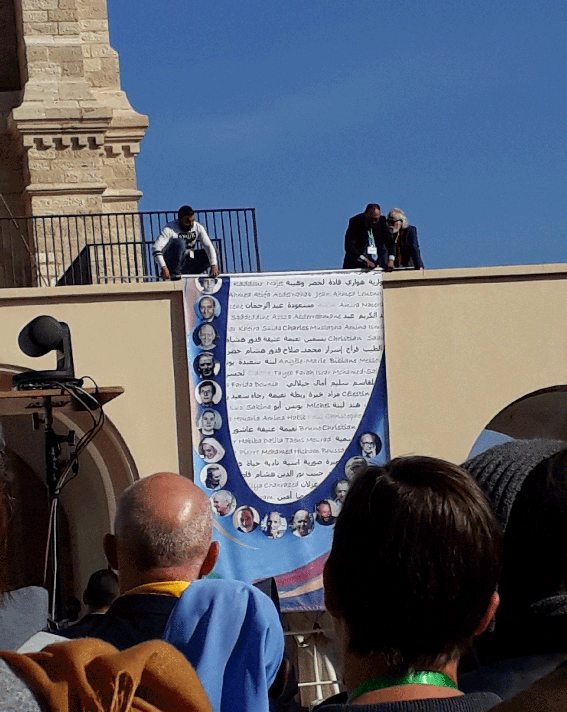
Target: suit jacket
x=356 y=242
x=130 y=620
x=407 y=249
x=82 y=628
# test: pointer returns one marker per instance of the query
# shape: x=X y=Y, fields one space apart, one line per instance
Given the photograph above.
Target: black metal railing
x=105 y=248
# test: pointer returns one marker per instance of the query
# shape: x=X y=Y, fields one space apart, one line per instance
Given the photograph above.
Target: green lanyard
x=370 y=238
x=419 y=677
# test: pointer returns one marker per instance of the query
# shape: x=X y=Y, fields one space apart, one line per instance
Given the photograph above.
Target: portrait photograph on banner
x=288 y=401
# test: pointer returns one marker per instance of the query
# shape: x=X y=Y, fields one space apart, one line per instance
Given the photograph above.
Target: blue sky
x=455 y=112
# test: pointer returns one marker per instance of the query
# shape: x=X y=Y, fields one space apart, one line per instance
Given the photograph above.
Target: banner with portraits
x=288 y=399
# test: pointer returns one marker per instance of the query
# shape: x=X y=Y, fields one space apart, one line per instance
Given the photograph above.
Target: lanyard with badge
x=372 y=250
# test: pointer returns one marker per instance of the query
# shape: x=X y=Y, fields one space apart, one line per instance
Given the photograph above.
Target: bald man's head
x=163 y=524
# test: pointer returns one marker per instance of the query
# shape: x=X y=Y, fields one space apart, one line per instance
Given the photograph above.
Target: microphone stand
x=53 y=470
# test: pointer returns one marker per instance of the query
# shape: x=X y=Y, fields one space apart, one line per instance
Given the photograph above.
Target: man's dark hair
x=185 y=210
x=209 y=483
x=414 y=562
x=102 y=589
x=208 y=383
x=372 y=206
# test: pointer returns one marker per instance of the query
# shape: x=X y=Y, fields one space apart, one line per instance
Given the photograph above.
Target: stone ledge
x=129 y=123
x=41 y=126
x=113 y=195
x=55 y=189
x=500 y=273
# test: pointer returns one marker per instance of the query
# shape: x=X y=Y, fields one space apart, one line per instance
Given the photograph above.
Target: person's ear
x=331 y=603
x=489 y=615
x=109 y=545
x=210 y=559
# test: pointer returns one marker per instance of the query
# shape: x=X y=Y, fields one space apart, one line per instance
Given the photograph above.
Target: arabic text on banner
x=288 y=399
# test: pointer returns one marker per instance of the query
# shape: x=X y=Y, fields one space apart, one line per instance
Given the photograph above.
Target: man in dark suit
x=368 y=242
x=102 y=589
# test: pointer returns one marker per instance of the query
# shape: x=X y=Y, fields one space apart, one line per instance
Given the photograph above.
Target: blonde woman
x=406 y=246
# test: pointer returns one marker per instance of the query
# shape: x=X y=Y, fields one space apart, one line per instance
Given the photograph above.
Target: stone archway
x=541 y=414
x=106 y=468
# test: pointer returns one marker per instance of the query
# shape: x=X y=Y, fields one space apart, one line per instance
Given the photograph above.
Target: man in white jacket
x=175 y=249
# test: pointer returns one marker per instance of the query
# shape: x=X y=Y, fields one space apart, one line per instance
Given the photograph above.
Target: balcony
x=55 y=250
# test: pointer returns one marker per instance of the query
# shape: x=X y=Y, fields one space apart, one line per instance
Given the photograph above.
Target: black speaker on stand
x=42 y=335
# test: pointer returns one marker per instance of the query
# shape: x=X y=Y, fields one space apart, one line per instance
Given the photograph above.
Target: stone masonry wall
x=71 y=136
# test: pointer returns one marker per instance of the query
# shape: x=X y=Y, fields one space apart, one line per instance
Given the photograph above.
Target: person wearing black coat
x=368 y=243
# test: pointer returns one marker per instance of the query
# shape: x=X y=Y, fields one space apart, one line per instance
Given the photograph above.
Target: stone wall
x=68 y=134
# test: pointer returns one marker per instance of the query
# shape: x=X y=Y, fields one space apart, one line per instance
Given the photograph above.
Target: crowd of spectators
x=447 y=586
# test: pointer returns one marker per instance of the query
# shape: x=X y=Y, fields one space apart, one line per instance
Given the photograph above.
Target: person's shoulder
x=507 y=678
x=225 y=589
x=474 y=702
x=356 y=222
x=211 y=602
x=16 y=695
x=83 y=627
x=228 y=595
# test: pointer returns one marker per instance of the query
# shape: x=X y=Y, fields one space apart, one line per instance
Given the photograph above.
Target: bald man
x=162 y=542
x=161 y=547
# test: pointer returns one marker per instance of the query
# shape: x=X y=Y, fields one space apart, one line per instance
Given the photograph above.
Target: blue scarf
x=231 y=633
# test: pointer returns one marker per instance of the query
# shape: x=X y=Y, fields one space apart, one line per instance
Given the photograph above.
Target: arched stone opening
x=106 y=468
x=541 y=414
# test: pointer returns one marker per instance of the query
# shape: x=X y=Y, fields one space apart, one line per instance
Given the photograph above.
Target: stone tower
x=68 y=135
